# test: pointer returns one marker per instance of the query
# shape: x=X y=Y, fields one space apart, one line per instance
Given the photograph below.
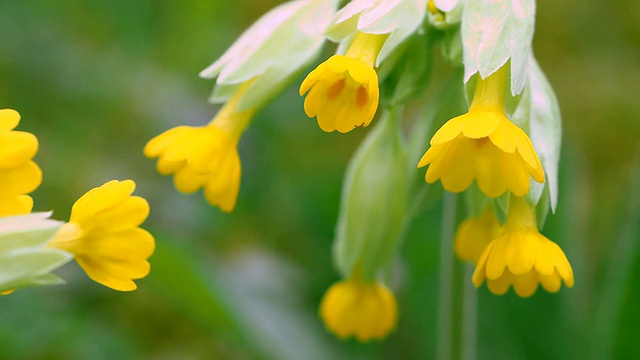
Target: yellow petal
x=352 y=308
x=127 y=214
x=16 y=148
x=160 y=143
x=9 y=119
x=102 y=275
x=100 y=199
x=503 y=137
x=15 y=205
x=20 y=180
x=481 y=124
x=187 y=181
x=449 y=131
x=526 y=284
x=127 y=246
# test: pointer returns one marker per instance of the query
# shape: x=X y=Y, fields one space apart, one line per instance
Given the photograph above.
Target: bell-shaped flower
x=522 y=257
x=356 y=308
x=104 y=236
x=484 y=145
x=205 y=157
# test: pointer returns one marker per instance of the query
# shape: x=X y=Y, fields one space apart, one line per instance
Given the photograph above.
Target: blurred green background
x=95 y=80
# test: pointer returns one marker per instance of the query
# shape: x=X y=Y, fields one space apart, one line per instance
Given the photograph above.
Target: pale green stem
x=445 y=286
x=469 y=315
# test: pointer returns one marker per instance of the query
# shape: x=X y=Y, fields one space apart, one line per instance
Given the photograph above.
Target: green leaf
x=272 y=51
x=19 y=267
x=25 y=259
x=494 y=32
x=399 y=19
x=538 y=113
x=33 y=230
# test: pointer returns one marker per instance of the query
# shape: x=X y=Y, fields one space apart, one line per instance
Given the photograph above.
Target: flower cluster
x=500 y=150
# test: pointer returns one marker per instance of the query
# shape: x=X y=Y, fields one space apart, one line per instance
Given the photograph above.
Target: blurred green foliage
x=94 y=80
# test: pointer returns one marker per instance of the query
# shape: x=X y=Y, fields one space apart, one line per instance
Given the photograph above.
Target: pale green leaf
x=398 y=18
x=33 y=230
x=273 y=50
x=494 y=32
x=19 y=267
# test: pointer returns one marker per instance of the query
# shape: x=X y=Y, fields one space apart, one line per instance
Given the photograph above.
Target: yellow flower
x=104 y=236
x=522 y=257
x=19 y=175
x=355 y=308
x=475 y=233
x=343 y=91
x=484 y=145
x=205 y=157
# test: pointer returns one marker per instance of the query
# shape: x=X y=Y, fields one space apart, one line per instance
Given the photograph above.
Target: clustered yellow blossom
x=19 y=174
x=484 y=145
x=343 y=92
x=205 y=157
x=366 y=310
x=522 y=257
x=104 y=236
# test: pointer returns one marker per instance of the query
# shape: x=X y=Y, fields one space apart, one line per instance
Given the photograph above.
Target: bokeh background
x=95 y=80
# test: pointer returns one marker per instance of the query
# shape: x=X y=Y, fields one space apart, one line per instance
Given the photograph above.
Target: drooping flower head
x=475 y=233
x=355 y=308
x=484 y=145
x=342 y=92
x=205 y=157
x=19 y=174
x=104 y=236
x=522 y=257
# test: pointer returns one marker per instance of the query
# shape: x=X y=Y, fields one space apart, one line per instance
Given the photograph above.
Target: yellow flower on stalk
x=484 y=145
x=355 y=308
x=522 y=257
x=475 y=233
x=342 y=92
x=19 y=175
x=104 y=236
x=205 y=157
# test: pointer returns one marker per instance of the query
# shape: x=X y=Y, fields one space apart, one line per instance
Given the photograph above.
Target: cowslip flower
x=104 y=236
x=343 y=91
x=355 y=308
x=475 y=233
x=19 y=174
x=522 y=257
x=205 y=157
x=484 y=145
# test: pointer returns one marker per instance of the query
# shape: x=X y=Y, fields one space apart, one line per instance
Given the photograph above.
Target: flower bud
x=374 y=202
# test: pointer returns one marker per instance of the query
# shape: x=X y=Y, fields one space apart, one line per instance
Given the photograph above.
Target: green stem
x=469 y=315
x=445 y=287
